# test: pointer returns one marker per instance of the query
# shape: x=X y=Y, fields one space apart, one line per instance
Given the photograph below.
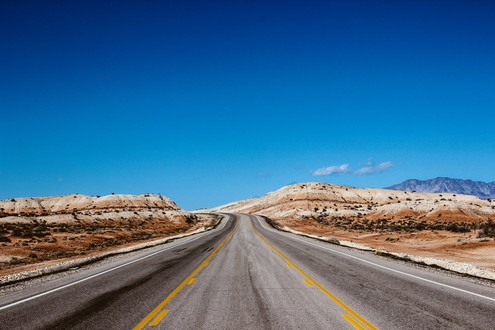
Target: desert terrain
x=36 y=232
x=460 y=228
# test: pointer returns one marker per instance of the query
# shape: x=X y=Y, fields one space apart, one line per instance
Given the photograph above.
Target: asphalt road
x=246 y=275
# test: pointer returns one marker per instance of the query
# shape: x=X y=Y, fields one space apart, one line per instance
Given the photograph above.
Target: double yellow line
x=352 y=317
x=154 y=318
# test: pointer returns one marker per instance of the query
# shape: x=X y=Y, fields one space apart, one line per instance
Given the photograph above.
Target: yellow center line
x=159 y=317
x=159 y=308
x=315 y=283
x=353 y=322
x=308 y=282
x=191 y=282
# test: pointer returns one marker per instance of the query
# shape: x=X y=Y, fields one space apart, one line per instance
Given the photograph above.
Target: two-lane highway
x=247 y=275
x=251 y=284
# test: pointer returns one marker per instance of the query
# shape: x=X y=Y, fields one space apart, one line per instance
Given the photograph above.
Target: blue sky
x=210 y=102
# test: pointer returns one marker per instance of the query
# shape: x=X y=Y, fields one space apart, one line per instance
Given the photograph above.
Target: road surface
x=247 y=275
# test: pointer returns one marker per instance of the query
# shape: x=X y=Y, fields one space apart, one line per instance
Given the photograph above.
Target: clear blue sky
x=209 y=102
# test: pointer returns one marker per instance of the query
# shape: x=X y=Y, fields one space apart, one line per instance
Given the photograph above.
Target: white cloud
x=340 y=169
x=370 y=169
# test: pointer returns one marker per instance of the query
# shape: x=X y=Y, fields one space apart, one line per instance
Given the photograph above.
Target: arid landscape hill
x=34 y=230
x=452 y=227
x=74 y=203
x=337 y=204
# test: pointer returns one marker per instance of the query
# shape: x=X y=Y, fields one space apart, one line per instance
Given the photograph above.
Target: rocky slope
x=356 y=208
x=481 y=189
x=34 y=230
x=75 y=203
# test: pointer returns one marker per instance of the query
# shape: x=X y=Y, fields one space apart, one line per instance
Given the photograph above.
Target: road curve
x=247 y=275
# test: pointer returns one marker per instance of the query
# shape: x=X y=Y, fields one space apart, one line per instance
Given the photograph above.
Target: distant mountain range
x=483 y=190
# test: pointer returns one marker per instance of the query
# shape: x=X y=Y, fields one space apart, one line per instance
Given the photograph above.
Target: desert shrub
x=421 y=226
x=458 y=227
x=27 y=234
x=41 y=234
x=17 y=232
x=487 y=229
x=15 y=261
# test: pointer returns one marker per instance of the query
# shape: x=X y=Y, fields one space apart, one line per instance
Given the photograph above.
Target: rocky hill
x=448 y=230
x=481 y=189
x=76 y=203
x=34 y=230
x=368 y=209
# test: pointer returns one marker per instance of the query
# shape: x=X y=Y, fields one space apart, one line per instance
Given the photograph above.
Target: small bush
x=17 y=232
x=458 y=227
x=27 y=234
x=487 y=229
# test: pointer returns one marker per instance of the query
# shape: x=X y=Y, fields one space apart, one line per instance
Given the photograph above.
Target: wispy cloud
x=370 y=168
x=340 y=169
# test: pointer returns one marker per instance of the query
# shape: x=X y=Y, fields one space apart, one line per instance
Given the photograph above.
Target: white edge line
x=375 y=264
x=107 y=271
